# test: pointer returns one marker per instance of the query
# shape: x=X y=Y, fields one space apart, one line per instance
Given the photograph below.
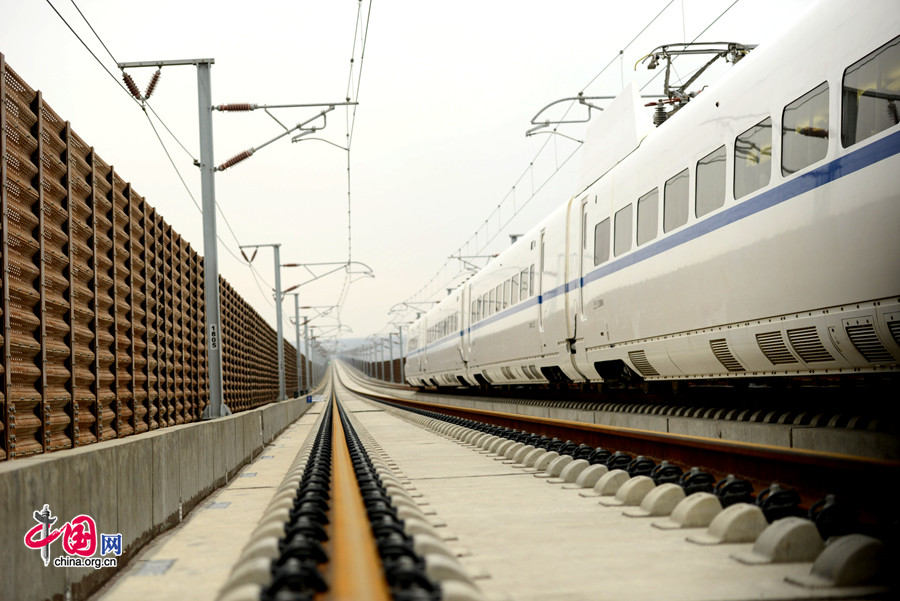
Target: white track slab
x=540 y=542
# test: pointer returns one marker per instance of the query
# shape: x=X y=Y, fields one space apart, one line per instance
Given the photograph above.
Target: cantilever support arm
x=340 y=265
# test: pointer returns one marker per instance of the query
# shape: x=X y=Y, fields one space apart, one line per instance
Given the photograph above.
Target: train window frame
x=491 y=301
x=601 y=251
x=514 y=290
x=531 y=280
x=498 y=297
x=752 y=175
x=704 y=173
x=648 y=220
x=523 y=284
x=676 y=207
x=506 y=293
x=797 y=141
x=847 y=94
x=622 y=231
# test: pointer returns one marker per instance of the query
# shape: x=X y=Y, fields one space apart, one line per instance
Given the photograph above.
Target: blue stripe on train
x=849 y=163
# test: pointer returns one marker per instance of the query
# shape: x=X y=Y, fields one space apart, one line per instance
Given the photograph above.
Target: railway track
x=344 y=527
x=791 y=481
x=374 y=500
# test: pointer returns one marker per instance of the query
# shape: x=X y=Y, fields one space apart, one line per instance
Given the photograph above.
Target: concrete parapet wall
x=138 y=486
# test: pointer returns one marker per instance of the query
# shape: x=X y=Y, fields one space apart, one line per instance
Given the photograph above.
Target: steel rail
x=355 y=570
x=814 y=474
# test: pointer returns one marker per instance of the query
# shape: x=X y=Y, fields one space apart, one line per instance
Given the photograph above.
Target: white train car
x=754 y=233
x=435 y=345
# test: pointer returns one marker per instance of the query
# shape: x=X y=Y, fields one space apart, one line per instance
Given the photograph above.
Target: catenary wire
x=541 y=149
x=253 y=271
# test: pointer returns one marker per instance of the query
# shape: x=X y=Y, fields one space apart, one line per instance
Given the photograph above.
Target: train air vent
x=773 y=347
x=720 y=350
x=893 y=325
x=534 y=372
x=806 y=343
x=639 y=360
x=862 y=335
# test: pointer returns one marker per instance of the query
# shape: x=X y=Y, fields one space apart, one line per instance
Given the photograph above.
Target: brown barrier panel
x=101 y=302
x=5 y=360
x=21 y=254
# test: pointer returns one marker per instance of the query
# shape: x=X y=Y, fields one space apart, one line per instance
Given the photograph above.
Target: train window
x=804 y=130
x=622 y=242
x=506 y=294
x=601 y=242
x=485 y=304
x=676 y=202
x=710 y=189
x=523 y=284
x=531 y=280
x=514 y=290
x=753 y=158
x=473 y=312
x=871 y=94
x=490 y=303
x=648 y=216
x=498 y=297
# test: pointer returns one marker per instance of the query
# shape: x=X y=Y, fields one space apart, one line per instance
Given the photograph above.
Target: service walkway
x=198 y=554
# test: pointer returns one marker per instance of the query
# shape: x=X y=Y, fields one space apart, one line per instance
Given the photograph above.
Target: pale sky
x=446 y=96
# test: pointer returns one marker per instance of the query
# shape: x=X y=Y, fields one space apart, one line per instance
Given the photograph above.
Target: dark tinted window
x=871 y=94
x=753 y=158
x=804 y=130
x=648 y=216
x=710 y=190
x=675 y=201
x=601 y=242
x=623 y=230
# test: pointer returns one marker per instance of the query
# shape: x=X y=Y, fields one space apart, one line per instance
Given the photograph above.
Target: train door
x=540 y=286
x=426 y=342
x=581 y=263
x=461 y=322
x=575 y=216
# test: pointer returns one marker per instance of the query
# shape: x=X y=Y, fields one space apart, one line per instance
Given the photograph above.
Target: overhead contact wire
x=540 y=151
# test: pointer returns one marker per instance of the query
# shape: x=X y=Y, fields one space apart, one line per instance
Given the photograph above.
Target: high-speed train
x=755 y=233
